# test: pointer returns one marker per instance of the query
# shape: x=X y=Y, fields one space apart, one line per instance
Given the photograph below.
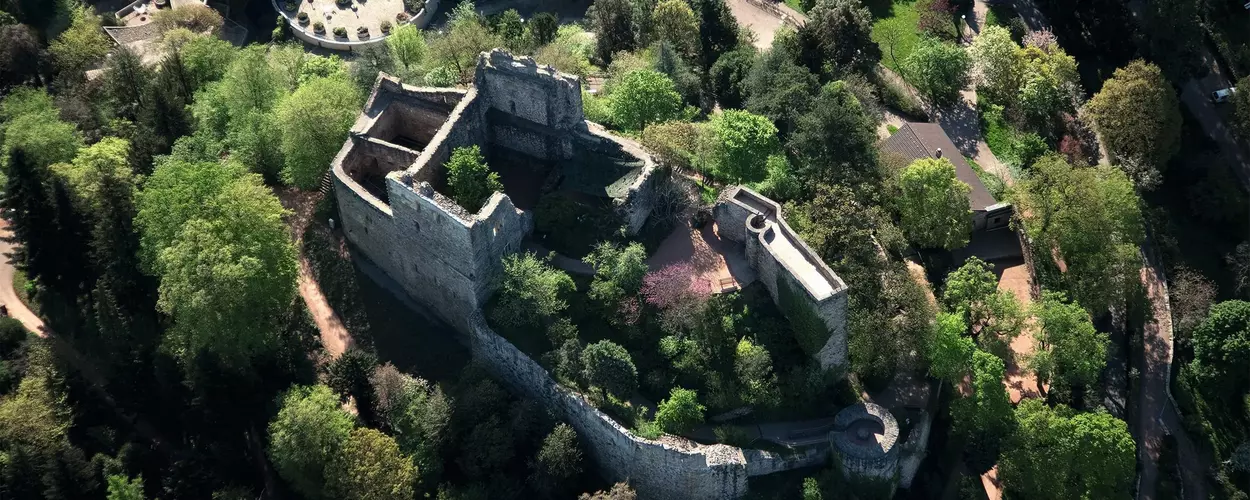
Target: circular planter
x=290 y=6
x=385 y=27
x=302 y=18
x=340 y=32
x=402 y=17
x=319 y=28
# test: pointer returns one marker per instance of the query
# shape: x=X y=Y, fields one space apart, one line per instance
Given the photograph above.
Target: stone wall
x=745 y=216
x=875 y=461
x=915 y=449
x=668 y=468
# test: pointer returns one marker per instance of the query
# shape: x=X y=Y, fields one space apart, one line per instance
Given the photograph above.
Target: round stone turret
x=865 y=441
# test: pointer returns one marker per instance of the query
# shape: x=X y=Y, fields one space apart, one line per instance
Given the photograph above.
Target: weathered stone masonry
x=388 y=177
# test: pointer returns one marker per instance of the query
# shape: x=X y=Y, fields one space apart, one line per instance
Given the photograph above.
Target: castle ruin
x=389 y=178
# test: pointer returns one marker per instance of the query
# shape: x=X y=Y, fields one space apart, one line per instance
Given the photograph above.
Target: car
x=1222 y=95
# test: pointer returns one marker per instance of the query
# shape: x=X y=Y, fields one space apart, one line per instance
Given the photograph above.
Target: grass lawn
x=796 y=5
x=21 y=288
x=898 y=21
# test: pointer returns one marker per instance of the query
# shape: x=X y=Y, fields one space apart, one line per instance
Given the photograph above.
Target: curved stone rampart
x=865 y=437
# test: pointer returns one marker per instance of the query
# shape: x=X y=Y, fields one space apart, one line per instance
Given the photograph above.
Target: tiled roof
x=915 y=140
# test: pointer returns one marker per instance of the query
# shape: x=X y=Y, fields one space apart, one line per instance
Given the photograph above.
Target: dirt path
x=65 y=351
x=334 y=335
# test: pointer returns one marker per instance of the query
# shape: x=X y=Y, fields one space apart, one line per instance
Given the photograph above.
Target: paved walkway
x=761 y=22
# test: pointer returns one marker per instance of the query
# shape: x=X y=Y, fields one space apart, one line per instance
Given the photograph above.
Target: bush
x=470 y=179
x=442 y=76
x=340 y=32
x=680 y=412
x=385 y=26
x=597 y=109
x=12 y=334
x=343 y=4
x=609 y=367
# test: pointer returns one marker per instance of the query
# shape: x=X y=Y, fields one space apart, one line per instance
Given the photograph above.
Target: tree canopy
x=609 y=367
x=306 y=436
x=939 y=70
x=1055 y=454
x=1222 y=344
x=314 y=121
x=933 y=204
x=1138 y=117
x=1092 y=219
x=370 y=467
x=1069 y=348
x=644 y=97
x=742 y=144
x=680 y=412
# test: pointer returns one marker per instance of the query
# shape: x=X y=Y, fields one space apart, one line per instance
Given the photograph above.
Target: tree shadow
x=962 y=125
x=880 y=9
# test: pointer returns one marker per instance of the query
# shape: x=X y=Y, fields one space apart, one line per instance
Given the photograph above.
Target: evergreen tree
x=31 y=215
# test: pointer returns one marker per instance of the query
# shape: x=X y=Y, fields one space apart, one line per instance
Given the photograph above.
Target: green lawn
x=796 y=5
x=896 y=32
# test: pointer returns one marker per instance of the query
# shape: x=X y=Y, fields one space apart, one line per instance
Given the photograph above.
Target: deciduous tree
x=1056 y=455
x=1138 y=118
x=838 y=33
x=938 y=70
x=314 y=122
x=609 y=367
x=644 y=97
x=470 y=179
x=307 y=436
x=675 y=23
x=370 y=467
x=1222 y=344
x=81 y=45
x=531 y=292
x=950 y=350
x=985 y=417
x=613 y=24
x=933 y=204
x=1092 y=219
x=741 y=145
x=557 y=463
x=998 y=66
x=1069 y=349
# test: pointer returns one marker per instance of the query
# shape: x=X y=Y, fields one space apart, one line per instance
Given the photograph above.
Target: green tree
x=781 y=89
x=999 y=66
x=370 y=467
x=950 y=351
x=106 y=158
x=177 y=192
x=618 y=272
x=933 y=204
x=674 y=22
x=938 y=70
x=20 y=55
x=834 y=141
x=742 y=142
x=838 y=33
x=531 y=292
x=125 y=81
x=613 y=24
x=237 y=110
x=31 y=123
x=418 y=414
x=1138 y=118
x=609 y=367
x=349 y=376
x=31 y=215
x=81 y=45
x=728 y=76
x=1222 y=344
x=467 y=37
x=754 y=369
x=121 y=487
x=314 y=122
x=644 y=97
x=718 y=30
x=205 y=59
x=1057 y=455
x=542 y=28
x=681 y=412
x=509 y=27
x=407 y=44
x=558 y=462
x=1069 y=348
x=1092 y=218
x=996 y=316
x=227 y=278
x=1175 y=32
x=619 y=491
x=470 y=179
x=306 y=436
x=985 y=417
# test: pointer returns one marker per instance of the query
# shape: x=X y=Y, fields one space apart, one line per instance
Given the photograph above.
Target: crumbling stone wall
x=669 y=468
x=740 y=216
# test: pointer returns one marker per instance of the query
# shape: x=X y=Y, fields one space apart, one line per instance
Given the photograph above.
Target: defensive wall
x=389 y=177
x=789 y=269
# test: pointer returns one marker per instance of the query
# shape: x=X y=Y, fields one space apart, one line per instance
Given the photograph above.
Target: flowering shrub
x=673 y=283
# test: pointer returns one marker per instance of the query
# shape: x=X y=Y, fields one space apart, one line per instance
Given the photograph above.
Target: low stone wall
x=914 y=450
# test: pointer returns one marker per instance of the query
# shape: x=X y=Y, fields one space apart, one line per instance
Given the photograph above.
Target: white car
x=1222 y=95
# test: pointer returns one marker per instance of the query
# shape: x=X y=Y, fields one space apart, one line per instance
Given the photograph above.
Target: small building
x=991 y=240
